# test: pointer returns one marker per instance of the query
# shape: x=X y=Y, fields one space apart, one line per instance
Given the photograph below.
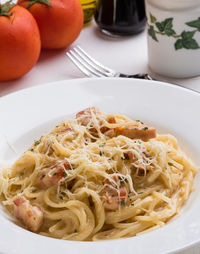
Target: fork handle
x=139 y=75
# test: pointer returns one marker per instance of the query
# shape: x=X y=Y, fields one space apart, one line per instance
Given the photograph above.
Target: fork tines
x=88 y=65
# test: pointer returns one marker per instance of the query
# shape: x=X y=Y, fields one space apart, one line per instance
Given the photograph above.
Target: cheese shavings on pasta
x=98 y=177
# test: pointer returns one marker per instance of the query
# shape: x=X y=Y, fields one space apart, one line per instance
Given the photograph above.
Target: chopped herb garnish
x=103 y=144
x=33 y=190
x=42 y=176
x=64 y=174
x=36 y=142
x=61 y=197
x=57 y=135
x=55 y=173
x=139 y=121
x=56 y=126
x=123 y=158
x=145 y=128
x=121 y=179
x=170 y=164
x=21 y=173
x=122 y=203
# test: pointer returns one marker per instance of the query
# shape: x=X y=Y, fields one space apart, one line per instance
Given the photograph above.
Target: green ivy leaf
x=152 y=33
x=187 y=34
x=166 y=27
x=153 y=18
x=194 y=23
x=178 y=44
x=160 y=26
x=190 y=44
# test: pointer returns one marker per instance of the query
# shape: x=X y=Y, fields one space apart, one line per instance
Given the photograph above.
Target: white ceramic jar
x=174 y=37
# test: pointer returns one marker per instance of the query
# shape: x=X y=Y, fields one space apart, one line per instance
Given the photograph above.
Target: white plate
x=26 y=115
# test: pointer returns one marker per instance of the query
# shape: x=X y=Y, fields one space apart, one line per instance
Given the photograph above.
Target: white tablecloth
x=128 y=55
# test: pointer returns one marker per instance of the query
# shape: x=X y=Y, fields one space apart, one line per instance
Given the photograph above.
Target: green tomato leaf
x=153 y=18
x=187 y=34
x=152 y=33
x=31 y=2
x=190 y=44
x=5 y=8
x=194 y=23
x=178 y=44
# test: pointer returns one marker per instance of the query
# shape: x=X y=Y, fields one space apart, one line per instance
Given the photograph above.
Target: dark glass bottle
x=121 y=17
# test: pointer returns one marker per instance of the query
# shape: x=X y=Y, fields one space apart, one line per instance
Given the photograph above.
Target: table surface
x=127 y=55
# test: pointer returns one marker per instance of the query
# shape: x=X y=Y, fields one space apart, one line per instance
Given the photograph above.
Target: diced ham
x=52 y=175
x=30 y=215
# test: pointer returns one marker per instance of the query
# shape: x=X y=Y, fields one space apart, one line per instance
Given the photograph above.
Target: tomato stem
x=5 y=8
x=38 y=1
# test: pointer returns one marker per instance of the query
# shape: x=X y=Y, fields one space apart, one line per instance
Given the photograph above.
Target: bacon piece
x=107 y=131
x=65 y=130
x=69 y=132
x=113 y=197
x=110 y=133
x=111 y=119
x=86 y=115
x=52 y=175
x=30 y=215
x=136 y=131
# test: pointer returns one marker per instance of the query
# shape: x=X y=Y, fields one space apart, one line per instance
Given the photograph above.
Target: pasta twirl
x=98 y=177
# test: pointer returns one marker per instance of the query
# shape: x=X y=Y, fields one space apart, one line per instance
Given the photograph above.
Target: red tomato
x=60 y=24
x=19 y=42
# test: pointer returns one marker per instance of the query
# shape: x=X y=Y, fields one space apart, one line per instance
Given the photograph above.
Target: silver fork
x=92 y=68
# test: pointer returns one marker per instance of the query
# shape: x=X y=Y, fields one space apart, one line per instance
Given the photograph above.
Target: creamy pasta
x=98 y=177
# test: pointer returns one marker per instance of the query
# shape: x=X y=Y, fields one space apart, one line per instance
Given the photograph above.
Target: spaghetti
x=98 y=177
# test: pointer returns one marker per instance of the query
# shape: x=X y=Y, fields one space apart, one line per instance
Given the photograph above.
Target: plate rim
x=168 y=84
